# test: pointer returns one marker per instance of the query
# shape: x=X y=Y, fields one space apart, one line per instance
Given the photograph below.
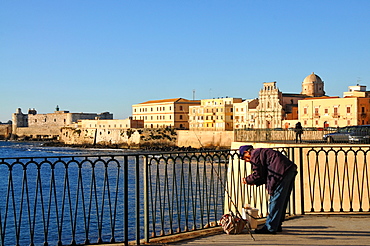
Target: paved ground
x=297 y=231
x=304 y=230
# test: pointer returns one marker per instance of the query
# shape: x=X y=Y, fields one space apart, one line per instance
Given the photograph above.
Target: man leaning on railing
x=272 y=168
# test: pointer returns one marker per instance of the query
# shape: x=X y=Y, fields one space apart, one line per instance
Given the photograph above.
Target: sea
x=10 y=149
x=16 y=149
x=12 y=201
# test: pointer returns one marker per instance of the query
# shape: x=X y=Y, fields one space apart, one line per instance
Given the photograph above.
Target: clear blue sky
x=96 y=56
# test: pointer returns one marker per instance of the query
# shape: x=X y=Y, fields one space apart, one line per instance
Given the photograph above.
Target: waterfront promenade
x=311 y=229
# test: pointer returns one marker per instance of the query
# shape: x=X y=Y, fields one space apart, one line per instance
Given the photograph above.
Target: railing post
x=137 y=191
x=125 y=199
x=146 y=198
x=301 y=178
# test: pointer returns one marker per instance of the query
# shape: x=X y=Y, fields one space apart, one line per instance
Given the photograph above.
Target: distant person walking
x=298 y=132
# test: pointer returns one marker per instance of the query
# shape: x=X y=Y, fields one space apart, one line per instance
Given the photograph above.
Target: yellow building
x=213 y=114
x=172 y=113
x=353 y=109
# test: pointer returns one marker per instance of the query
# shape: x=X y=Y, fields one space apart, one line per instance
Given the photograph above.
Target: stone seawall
x=146 y=137
x=200 y=139
x=130 y=138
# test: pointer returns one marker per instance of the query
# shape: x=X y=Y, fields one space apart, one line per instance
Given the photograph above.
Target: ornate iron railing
x=330 y=179
x=121 y=198
x=115 y=198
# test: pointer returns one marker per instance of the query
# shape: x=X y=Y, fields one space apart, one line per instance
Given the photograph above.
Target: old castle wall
x=5 y=131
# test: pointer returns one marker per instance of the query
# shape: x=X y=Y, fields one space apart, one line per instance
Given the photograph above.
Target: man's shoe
x=263 y=230
x=279 y=229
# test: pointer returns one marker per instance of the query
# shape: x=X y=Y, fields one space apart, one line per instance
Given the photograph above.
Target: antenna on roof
x=193 y=94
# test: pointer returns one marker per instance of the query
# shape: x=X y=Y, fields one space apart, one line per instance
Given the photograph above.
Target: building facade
x=245 y=113
x=172 y=113
x=215 y=114
x=352 y=109
x=274 y=107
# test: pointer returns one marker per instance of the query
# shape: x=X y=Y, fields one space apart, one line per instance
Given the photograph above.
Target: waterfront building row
x=272 y=109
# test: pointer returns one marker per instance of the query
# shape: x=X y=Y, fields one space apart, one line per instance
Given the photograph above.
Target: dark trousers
x=279 y=201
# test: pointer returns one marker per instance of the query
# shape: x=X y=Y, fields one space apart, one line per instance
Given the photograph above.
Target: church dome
x=312 y=78
x=313 y=86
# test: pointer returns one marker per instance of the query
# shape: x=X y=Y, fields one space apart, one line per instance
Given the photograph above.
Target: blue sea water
x=188 y=189
x=10 y=149
x=13 y=149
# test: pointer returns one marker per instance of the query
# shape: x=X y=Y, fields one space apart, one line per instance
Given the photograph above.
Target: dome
x=312 y=78
x=313 y=86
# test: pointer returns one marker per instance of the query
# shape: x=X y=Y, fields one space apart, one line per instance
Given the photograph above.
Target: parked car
x=360 y=135
x=351 y=134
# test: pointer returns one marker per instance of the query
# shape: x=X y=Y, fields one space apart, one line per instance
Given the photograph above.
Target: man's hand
x=244 y=181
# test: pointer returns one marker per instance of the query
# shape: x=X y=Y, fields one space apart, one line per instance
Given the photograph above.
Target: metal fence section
x=310 y=135
x=336 y=179
x=120 y=198
x=185 y=191
x=115 y=198
x=330 y=179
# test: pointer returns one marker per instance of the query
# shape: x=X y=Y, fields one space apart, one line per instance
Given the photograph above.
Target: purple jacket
x=269 y=167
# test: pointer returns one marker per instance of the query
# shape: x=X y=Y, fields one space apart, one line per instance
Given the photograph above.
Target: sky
x=97 y=56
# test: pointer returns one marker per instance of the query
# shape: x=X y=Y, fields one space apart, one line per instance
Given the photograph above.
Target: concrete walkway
x=317 y=229
x=302 y=230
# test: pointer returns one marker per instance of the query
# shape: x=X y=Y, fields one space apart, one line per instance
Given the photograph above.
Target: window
x=304 y=110
x=348 y=110
x=326 y=111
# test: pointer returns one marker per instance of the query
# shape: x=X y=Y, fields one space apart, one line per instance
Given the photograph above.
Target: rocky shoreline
x=117 y=146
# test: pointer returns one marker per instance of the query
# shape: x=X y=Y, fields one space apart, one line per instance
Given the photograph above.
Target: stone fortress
x=48 y=126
